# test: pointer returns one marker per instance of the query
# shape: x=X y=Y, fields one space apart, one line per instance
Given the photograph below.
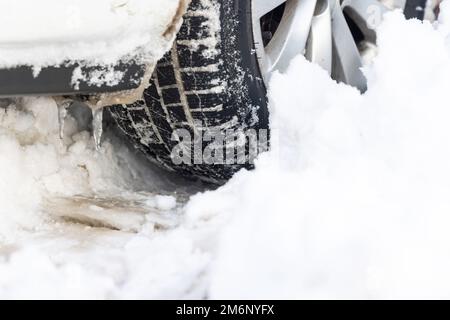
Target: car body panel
x=58 y=80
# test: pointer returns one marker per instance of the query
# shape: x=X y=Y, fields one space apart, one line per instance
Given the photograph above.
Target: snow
x=97 y=78
x=93 y=32
x=351 y=201
x=164 y=203
x=75 y=222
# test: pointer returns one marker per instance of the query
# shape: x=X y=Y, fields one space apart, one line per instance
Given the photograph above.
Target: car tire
x=210 y=79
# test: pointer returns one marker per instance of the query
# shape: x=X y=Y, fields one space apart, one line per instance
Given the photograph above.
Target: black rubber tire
x=183 y=87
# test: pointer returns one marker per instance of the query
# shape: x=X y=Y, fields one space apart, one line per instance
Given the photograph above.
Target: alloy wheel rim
x=331 y=33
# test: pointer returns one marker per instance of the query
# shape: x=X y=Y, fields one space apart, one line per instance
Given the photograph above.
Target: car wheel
x=212 y=82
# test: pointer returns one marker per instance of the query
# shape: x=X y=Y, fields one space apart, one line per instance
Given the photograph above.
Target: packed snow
x=352 y=201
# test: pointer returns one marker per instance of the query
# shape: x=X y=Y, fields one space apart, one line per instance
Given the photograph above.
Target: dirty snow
x=351 y=202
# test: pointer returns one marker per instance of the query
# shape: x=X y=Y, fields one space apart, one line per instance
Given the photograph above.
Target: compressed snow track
x=351 y=202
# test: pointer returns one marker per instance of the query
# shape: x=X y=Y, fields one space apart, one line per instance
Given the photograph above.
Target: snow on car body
x=82 y=46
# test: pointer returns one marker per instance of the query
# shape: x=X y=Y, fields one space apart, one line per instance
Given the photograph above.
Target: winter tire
x=214 y=76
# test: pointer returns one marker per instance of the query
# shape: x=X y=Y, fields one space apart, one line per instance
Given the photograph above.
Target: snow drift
x=353 y=200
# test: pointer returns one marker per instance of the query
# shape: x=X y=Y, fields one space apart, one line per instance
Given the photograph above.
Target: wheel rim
x=331 y=33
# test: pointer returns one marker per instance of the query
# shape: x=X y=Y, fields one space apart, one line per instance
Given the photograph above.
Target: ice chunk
x=63 y=108
x=97 y=127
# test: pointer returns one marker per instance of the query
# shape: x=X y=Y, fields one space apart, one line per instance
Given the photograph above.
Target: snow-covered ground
x=351 y=202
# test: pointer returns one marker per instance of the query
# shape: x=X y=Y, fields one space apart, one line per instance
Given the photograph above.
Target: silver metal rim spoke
x=291 y=36
x=265 y=6
x=347 y=58
x=319 y=48
x=319 y=30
